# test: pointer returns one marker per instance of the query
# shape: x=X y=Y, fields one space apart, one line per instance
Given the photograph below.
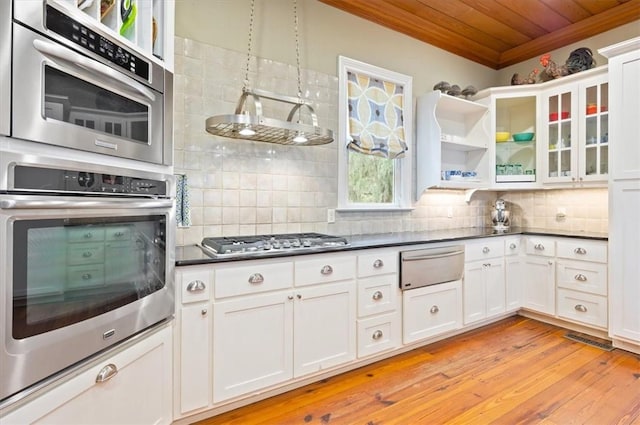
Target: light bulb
x=300 y=138
x=247 y=131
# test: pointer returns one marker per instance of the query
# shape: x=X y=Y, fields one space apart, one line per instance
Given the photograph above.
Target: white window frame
x=402 y=171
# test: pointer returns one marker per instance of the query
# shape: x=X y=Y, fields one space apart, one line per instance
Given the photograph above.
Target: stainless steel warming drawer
x=431 y=266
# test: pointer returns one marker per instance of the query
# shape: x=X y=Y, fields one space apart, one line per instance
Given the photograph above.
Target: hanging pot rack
x=243 y=124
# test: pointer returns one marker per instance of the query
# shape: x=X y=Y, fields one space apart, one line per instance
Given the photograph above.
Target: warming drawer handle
x=256 y=279
x=430 y=257
x=580 y=277
x=580 y=308
x=326 y=270
x=196 y=286
x=106 y=373
x=378 y=264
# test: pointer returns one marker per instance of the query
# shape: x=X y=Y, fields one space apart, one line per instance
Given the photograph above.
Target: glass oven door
x=78 y=275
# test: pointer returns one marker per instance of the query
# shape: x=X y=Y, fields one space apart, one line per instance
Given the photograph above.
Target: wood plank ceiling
x=495 y=33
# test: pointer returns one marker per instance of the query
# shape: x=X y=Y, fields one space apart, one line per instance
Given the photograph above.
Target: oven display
x=69 y=270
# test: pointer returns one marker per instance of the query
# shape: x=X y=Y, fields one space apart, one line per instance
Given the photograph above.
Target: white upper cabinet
x=451 y=136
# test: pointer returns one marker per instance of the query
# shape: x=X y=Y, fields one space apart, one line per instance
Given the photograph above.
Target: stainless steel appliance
x=500 y=215
x=86 y=261
x=431 y=266
x=226 y=247
x=73 y=84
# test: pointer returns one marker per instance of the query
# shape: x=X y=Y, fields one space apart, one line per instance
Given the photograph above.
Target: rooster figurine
x=551 y=69
x=516 y=80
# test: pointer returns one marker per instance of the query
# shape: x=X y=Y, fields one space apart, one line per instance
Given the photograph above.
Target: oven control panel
x=88 y=39
x=66 y=181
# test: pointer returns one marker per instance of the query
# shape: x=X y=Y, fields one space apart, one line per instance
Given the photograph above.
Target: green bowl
x=523 y=137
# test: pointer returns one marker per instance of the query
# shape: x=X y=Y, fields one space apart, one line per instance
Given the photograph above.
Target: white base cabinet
x=513 y=272
x=484 y=280
x=539 y=292
x=140 y=392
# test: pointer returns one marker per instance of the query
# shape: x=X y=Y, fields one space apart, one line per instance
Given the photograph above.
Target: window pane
x=371 y=179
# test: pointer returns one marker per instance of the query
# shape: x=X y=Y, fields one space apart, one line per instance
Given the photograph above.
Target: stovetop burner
x=266 y=244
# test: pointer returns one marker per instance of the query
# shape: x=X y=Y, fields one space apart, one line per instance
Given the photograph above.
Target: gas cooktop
x=224 y=247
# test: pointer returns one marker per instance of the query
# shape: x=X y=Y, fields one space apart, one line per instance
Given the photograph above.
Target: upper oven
x=75 y=85
x=86 y=261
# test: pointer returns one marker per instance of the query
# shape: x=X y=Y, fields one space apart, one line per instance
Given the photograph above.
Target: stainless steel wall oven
x=86 y=261
x=73 y=84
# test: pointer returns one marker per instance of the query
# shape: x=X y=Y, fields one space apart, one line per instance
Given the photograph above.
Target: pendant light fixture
x=248 y=125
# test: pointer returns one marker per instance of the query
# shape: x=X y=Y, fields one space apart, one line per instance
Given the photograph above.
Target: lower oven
x=86 y=261
x=431 y=266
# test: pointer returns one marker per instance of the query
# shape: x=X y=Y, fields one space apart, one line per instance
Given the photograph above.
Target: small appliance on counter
x=500 y=215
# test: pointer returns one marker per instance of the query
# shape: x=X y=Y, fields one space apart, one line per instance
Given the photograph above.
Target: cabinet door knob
x=512 y=246
x=550 y=263
x=256 y=279
x=580 y=308
x=377 y=296
x=106 y=373
x=204 y=312
x=196 y=286
x=378 y=264
x=299 y=296
x=290 y=297
x=434 y=309
x=580 y=277
x=326 y=270
x=486 y=250
x=580 y=251
x=539 y=247
x=377 y=335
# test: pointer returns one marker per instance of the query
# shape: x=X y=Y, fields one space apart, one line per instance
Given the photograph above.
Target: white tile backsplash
x=239 y=187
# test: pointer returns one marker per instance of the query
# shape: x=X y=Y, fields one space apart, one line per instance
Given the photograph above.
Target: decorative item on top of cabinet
x=451 y=135
x=576 y=128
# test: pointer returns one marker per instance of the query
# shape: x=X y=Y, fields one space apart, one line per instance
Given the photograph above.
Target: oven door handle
x=49 y=204
x=63 y=53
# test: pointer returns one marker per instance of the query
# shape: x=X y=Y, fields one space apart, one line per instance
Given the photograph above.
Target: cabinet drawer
x=252 y=277
x=377 y=294
x=582 y=276
x=81 y=277
x=485 y=249
x=582 y=250
x=512 y=246
x=540 y=246
x=586 y=308
x=378 y=334
x=325 y=268
x=86 y=253
x=195 y=284
x=84 y=234
x=377 y=263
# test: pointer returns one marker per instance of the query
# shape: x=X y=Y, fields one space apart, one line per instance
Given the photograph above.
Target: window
x=375 y=136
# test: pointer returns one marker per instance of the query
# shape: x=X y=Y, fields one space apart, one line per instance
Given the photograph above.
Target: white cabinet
x=514 y=272
x=431 y=310
x=576 y=128
x=149 y=25
x=139 y=393
x=192 y=343
x=267 y=331
x=379 y=319
x=581 y=281
x=539 y=275
x=484 y=280
x=451 y=134
x=624 y=194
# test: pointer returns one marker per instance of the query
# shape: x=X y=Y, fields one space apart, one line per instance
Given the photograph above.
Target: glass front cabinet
x=576 y=130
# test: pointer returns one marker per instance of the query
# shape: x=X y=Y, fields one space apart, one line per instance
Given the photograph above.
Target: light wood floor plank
x=516 y=371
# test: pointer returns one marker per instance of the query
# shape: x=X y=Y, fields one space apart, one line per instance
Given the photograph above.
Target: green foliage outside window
x=370 y=179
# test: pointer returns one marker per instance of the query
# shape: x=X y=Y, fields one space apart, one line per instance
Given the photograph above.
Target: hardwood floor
x=517 y=371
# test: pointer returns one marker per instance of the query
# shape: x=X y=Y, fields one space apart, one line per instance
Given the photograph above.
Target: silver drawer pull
x=377 y=335
x=377 y=296
x=434 y=309
x=326 y=270
x=580 y=308
x=203 y=312
x=106 y=373
x=580 y=251
x=580 y=277
x=256 y=279
x=87 y=254
x=539 y=247
x=196 y=286
x=378 y=263
x=86 y=276
x=118 y=234
x=486 y=250
x=513 y=246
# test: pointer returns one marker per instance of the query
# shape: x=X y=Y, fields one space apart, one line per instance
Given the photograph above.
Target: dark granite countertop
x=192 y=254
